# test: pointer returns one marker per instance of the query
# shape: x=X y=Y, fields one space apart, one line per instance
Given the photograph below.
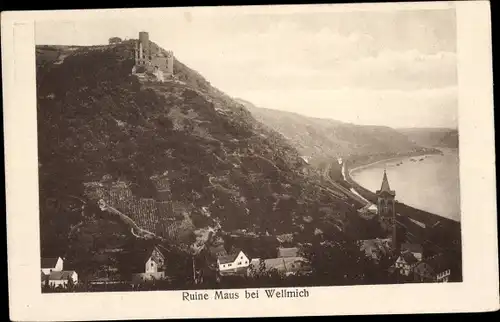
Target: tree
x=338 y=263
x=252 y=270
x=262 y=267
x=46 y=285
x=71 y=284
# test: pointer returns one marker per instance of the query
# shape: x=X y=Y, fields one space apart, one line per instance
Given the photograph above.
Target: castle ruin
x=149 y=58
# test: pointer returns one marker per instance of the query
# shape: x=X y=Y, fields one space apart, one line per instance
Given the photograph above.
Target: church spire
x=385 y=185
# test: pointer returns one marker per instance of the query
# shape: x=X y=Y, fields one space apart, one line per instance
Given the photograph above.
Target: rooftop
x=413 y=248
x=60 y=275
x=135 y=259
x=285 y=264
x=385 y=188
x=288 y=252
x=49 y=262
x=224 y=259
x=438 y=263
x=375 y=247
x=409 y=258
x=218 y=250
x=235 y=271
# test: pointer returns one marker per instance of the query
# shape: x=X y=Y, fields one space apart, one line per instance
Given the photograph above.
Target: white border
x=478 y=292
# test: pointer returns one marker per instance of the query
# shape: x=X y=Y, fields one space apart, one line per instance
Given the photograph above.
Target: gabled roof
x=285 y=264
x=408 y=258
x=218 y=250
x=385 y=188
x=438 y=263
x=369 y=207
x=136 y=258
x=229 y=258
x=235 y=271
x=412 y=248
x=60 y=275
x=375 y=247
x=49 y=262
x=424 y=269
x=288 y=252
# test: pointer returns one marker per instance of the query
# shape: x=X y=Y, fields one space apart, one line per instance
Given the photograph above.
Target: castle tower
x=143 y=49
x=151 y=59
x=170 y=63
x=386 y=205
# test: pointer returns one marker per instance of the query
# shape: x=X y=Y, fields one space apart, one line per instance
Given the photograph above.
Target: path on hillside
x=134 y=228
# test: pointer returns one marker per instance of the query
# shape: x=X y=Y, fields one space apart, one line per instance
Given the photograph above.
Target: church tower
x=386 y=205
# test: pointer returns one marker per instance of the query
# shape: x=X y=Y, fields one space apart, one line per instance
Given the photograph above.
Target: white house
x=233 y=262
x=59 y=278
x=146 y=264
x=53 y=264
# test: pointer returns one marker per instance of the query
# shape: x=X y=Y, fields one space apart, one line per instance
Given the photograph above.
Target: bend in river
x=430 y=182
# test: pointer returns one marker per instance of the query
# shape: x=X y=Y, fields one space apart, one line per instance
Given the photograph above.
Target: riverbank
x=428 y=182
x=398 y=158
x=362 y=162
x=441 y=231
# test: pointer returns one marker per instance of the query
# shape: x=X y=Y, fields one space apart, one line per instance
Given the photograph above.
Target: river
x=430 y=182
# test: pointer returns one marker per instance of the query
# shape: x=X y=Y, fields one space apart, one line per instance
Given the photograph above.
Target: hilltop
x=178 y=159
x=433 y=137
x=327 y=139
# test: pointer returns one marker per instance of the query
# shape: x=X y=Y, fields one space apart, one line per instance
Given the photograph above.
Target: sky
x=394 y=68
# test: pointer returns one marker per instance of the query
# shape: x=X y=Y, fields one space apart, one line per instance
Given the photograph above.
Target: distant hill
x=326 y=138
x=433 y=137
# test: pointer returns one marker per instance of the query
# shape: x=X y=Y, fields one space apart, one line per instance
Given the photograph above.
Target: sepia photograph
x=288 y=150
x=228 y=150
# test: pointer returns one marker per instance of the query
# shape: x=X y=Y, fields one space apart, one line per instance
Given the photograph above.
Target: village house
x=145 y=264
x=52 y=273
x=415 y=249
x=60 y=278
x=288 y=252
x=368 y=211
x=282 y=265
x=233 y=262
x=405 y=263
x=285 y=238
x=52 y=264
x=376 y=248
x=218 y=251
x=287 y=262
x=433 y=269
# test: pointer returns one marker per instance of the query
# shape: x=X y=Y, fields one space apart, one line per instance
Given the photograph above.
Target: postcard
x=250 y=161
